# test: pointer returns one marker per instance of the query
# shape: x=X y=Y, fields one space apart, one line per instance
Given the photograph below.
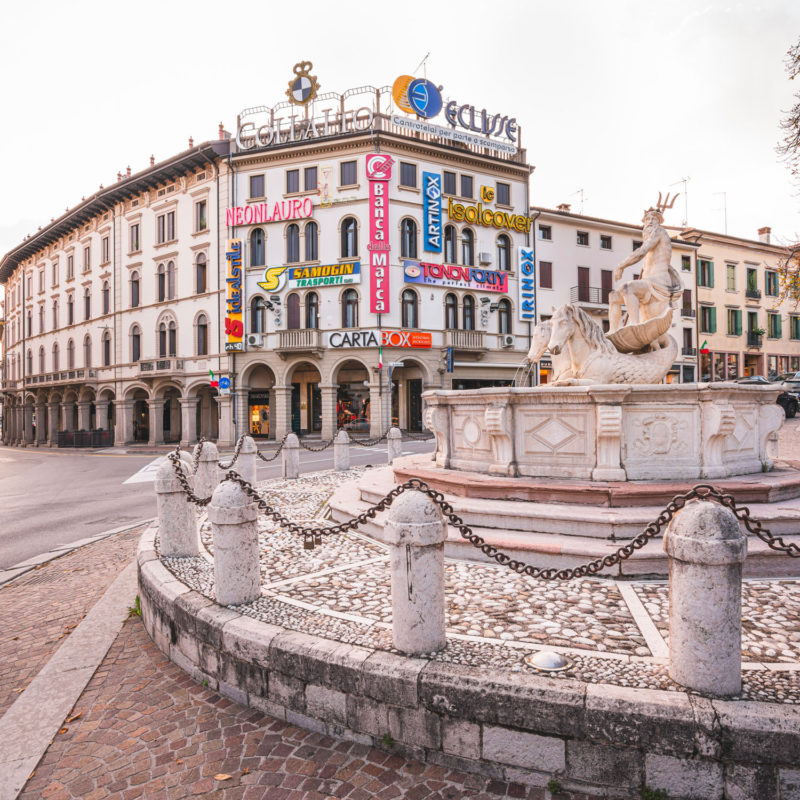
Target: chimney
x=563 y=208
x=191 y=142
x=152 y=161
x=221 y=131
x=763 y=235
x=128 y=172
x=119 y=177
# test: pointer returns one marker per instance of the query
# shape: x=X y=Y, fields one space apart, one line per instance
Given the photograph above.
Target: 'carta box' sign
x=485 y=280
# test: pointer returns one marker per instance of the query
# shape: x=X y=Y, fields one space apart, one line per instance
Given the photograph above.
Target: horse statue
x=595 y=359
x=540 y=340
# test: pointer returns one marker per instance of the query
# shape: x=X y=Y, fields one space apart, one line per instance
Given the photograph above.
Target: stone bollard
x=341 y=451
x=177 y=522
x=415 y=533
x=246 y=463
x=234 y=526
x=206 y=478
x=706 y=551
x=394 y=441
x=291 y=456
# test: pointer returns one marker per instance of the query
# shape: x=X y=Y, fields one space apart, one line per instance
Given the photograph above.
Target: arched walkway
x=305 y=399
x=353 y=400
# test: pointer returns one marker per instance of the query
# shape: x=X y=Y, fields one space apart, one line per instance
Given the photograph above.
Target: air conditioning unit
x=507 y=340
x=485 y=259
x=255 y=340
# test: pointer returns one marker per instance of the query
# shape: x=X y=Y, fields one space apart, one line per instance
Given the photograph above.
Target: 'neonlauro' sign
x=280 y=211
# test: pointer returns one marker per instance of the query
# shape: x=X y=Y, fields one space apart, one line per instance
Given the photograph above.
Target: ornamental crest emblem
x=302 y=88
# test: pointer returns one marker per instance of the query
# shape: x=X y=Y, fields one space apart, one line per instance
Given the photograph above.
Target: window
x=70 y=267
x=104 y=251
x=349 y=237
x=200 y=218
x=503 y=194
x=133 y=238
x=55 y=273
x=774 y=326
x=466 y=186
x=546 y=233
x=348 y=173
x=136 y=343
x=468 y=313
x=70 y=310
x=450 y=239
x=636 y=244
x=752 y=283
x=87 y=260
x=293 y=243
x=546 y=274
x=450 y=312
x=312 y=310
x=408 y=174
x=311 y=236
x=256 y=186
x=171 y=280
x=70 y=354
x=258 y=315
x=686 y=263
x=41 y=360
x=467 y=247
x=708 y=319
x=730 y=272
x=41 y=280
x=258 y=249
x=794 y=327
x=107 y=349
x=161 y=281
x=292 y=181
x=582 y=238
x=30 y=362
x=55 y=314
x=410 y=304
x=408 y=239
x=293 y=312
x=87 y=351
x=166 y=339
x=504 y=316
x=310 y=179
x=503 y=252
x=106 y=297
x=55 y=357
x=734 y=322
x=87 y=303
x=201 y=273
x=29 y=326
x=771 y=283
x=605 y=242
x=350 y=309
x=705 y=273
x=202 y=335
x=449 y=183
x=135 y=298
x=165 y=227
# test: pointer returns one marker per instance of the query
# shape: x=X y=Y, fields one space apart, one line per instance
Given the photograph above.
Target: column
x=52 y=424
x=66 y=416
x=242 y=421
x=377 y=410
x=329 y=421
x=156 y=409
x=28 y=430
x=123 y=430
x=188 y=420
x=283 y=411
x=41 y=423
x=101 y=414
x=225 y=435
x=84 y=409
x=17 y=425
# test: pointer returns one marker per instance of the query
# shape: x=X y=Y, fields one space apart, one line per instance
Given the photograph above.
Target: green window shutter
x=711 y=276
x=712 y=319
x=738 y=323
x=778 y=332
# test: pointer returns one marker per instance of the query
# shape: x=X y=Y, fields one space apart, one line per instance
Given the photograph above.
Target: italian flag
x=704 y=346
x=214 y=381
x=380 y=358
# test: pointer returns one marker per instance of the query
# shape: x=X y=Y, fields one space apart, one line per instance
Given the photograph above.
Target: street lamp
x=392 y=365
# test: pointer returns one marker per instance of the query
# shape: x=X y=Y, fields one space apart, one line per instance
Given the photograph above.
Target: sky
x=617 y=100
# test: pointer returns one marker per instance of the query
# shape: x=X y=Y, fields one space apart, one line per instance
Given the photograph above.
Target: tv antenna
x=684 y=181
x=724 y=208
x=582 y=196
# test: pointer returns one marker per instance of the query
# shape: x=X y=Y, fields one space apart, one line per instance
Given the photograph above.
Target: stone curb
x=9 y=574
x=501 y=724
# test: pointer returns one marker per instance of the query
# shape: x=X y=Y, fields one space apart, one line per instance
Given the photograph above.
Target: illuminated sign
x=479 y=215
x=487 y=125
x=380 y=338
x=420 y=126
x=234 y=326
x=417 y=96
x=379 y=172
x=280 y=211
x=432 y=211
x=275 y=278
x=527 y=284
x=462 y=277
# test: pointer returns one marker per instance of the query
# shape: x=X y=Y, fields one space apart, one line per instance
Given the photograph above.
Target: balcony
x=67 y=376
x=686 y=311
x=589 y=295
x=754 y=339
x=689 y=351
x=148 y=369
x=466 y=341
x=752 y=294
x=305 y=340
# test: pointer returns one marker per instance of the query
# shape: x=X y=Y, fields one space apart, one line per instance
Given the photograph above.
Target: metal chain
x=325 y=446
x=370 y=442
x=177 y=466
x=235 y=453
x=196 y=455
x=267 y=459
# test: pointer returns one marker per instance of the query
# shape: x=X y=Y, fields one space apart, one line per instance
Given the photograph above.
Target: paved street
x=53 y=497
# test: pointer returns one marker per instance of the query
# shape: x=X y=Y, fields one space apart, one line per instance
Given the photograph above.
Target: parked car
x=789 y=381
x=788 y=401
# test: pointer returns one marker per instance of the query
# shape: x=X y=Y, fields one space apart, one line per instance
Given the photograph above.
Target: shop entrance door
x=296 y=408
x=414 y=404
x=314 y=406
x=258 y=414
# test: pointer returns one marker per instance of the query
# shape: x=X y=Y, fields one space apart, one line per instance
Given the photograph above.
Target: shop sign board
x=461 y=277
x=432 y=211
x=420 y=126
x=379 y=338
x=527 y=285
x=489 y=218
x=259 y=213
x=234 y=324
x=379 y=172
x=342 y=274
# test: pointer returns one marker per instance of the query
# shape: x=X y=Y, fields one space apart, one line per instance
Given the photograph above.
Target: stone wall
x=511 y=726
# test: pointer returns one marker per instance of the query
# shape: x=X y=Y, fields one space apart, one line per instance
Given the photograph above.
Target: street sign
x=224 y=382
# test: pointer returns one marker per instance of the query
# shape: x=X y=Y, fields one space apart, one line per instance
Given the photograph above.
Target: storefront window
x=705 y=367
x=352 y=406
x=772 y=366
x=733 y=366
x=258 y=403
x=719 y=366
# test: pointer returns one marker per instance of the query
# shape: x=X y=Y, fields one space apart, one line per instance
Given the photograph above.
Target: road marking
x=147 y=474
x=650 y=633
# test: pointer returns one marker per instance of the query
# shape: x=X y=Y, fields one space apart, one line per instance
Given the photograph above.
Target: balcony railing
x=57 y=377
x=594 y=295
x=686 y=311
x=304 y=340
x=754 y=339
x=161 y=365
x=752 y=294
x=472 y=341
x=689 y=351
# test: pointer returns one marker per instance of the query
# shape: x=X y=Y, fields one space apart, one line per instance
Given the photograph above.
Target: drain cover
x=548 y=661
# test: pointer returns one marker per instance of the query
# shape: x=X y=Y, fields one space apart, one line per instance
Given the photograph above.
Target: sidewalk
x=142 y=728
